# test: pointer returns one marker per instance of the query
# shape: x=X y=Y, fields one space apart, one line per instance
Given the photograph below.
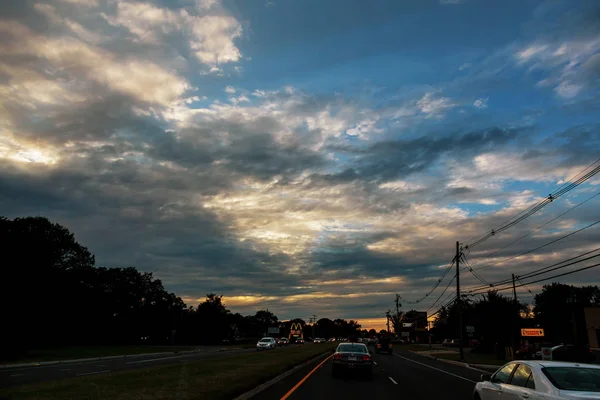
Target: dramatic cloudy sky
x=312 y=157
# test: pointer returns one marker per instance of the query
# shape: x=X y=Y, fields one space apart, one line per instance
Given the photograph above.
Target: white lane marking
x=437 y=369
x=393 y=381
x=17 y=375
x=152 y=359
x=92 y=373
x=374 y=363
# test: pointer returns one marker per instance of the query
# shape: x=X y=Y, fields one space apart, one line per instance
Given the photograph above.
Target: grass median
x=222 y=377
x=74 y=352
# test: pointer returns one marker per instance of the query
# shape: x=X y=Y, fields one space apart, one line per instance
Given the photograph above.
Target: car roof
x=550 y=364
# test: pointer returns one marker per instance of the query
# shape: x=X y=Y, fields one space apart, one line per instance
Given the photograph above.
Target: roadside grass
x=74 y=352
x=222 y=377
x=474 y=358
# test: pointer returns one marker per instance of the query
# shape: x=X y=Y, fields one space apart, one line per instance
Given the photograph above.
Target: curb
x=80 y=360
x=268 y=384
x=476 y=367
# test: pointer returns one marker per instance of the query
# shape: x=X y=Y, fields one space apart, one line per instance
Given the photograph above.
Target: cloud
x=210 y=36
x=433 y=106
x=113 y=122
x=480 y=103
x=570 y=65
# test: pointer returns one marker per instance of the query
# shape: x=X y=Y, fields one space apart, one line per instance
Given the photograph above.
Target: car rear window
x=574 y=378
x=265 y=340
x=352 y=348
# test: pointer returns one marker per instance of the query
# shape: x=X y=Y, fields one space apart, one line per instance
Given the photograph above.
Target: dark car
x=353 y=357
x=384 y=345
x=572 y=353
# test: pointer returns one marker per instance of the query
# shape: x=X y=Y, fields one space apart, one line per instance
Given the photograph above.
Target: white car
x=536 y=380
x=266 y=343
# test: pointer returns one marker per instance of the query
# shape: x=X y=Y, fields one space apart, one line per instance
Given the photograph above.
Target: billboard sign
x=296 y=330
x=273 y=330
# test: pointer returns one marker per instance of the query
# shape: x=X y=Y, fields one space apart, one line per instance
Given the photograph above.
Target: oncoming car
x=352 y=357
x=536 y=380
x=266 y=343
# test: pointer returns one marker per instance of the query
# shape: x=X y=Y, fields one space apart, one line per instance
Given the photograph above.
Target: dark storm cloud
x=389 y=160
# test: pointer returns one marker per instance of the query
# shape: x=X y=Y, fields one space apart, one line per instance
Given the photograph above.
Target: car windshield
x=352 y=348
x=265 y=340
x=579 y=379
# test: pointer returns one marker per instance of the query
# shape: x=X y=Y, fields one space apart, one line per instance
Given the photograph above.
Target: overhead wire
x=502 y=282
x=437 y=284
x=536 y=207
x=509 y=287
x=540 y=247
x=541 y=226
x=441 y=294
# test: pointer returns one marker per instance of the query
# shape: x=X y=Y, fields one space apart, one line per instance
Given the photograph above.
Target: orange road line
x=292 y=390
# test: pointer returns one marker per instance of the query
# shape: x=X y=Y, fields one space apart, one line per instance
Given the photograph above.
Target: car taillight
x=378 y=345
x=390 y=345
x=337 y=356
x=366 y=358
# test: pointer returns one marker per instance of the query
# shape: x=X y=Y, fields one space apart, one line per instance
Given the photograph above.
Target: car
x=573 y=353
x=371 y=341
x=352 y=357
x=319 y=340
x=283 y=341
x=384 y=345
x=536 y=380
x=299 y=341
x=331 y=339
x=450 y=342
x=266 y=343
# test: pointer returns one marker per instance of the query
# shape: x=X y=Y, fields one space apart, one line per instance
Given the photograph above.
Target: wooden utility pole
x=387 y=314
x=458 y=303
x=514 y=318
x=314 y=321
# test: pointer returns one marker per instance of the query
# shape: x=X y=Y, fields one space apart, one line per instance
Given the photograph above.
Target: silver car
x=266 y=343
x=536 y=380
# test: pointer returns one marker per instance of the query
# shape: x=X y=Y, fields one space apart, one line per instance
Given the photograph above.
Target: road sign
x=405 y=333
x=470 y=328
x=407 y=324
x=273 y=330
x=547 y=353
x=536 y=332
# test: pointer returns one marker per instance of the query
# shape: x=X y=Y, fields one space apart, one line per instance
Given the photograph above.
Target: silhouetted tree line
x=497 y=319
x=52 y=294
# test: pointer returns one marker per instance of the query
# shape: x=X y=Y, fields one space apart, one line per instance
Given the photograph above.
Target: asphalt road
x=25 y=375
x=401 y=375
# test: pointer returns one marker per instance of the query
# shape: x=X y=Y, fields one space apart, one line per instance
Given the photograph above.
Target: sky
x=309 y=157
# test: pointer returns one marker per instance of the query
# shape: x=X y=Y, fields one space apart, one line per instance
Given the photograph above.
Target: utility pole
x=387 y=314
x=514 y=318
x=458 y=302
x=314 y=321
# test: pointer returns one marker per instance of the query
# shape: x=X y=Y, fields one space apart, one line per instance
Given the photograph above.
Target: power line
x=541 y=226
x=441 y=294
x=535 y=208
x=526 y=275
x=542 y=246
x=552 y=277
x=437 y=284
x=470 y=269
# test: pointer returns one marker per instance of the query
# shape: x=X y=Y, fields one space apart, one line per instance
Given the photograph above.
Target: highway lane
x=401 y=375
x=26 y=375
